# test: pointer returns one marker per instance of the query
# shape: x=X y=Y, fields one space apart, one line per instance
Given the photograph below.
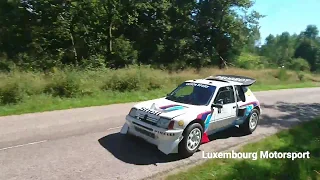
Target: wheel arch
x=258 y=108
x=199 y=121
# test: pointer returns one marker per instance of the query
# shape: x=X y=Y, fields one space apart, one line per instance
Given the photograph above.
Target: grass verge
x=27 y=92
x=302 y=138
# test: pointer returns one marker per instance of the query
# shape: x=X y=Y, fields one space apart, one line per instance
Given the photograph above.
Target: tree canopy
x=44 y=34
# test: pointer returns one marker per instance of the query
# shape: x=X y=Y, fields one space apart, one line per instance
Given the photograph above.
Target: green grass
x=305 y=137
x=27 y=92
x=42 y=103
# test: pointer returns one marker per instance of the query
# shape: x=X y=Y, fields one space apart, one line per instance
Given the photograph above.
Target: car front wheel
x=191 y=140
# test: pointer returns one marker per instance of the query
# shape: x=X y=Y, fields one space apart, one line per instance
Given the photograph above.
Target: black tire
x=245 y=127
x=183 y=149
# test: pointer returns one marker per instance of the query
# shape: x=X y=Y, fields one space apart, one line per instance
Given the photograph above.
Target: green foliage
x=17 y=85
x=249 y=61
x=299 y=64
x=309 y=49
x=302 y=138
x=154 y=83
x=127 y=82
x=64 y=85
x=298 y=52
x=39 y=35
x=4 y=66
x=94 y=62
x=68 y=88
x=133 y=79
x=124 y=53
x=11 y=93
x=282 y=74
x=301 y=76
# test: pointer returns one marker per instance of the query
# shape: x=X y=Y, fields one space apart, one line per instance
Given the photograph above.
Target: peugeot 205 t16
x=183 y=120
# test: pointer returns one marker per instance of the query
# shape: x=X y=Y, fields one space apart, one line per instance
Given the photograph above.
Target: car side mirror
x=219 y=106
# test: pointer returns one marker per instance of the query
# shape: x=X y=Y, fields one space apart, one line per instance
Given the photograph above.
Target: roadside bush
x=299 y=64
x=31 y=82
x=154 y=83
x=4 y=66
x=301 y=76
x=16 y=86
x=282 y=75
x=122 y=82
x=94 y=62
x=11 y=93
x=134 y=78
x=64 y=85
x=151 y=79
x=249 y=61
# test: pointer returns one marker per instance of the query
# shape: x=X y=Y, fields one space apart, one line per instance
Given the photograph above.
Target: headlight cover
x=163 y=122
x=133 y=112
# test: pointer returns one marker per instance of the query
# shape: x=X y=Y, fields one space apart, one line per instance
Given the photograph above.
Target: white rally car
x=183 y=120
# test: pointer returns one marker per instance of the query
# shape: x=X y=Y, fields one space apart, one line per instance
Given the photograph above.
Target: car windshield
x=192 y=93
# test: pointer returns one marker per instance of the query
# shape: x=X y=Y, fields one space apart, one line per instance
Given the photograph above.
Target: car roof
x=217 y=83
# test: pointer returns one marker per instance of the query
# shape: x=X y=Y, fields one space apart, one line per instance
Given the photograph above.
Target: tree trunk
x=73 y=46
x=110 y=37
x=71 y=31
x=222 y=62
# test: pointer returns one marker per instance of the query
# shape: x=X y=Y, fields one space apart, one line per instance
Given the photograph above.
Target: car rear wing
x=245 y=81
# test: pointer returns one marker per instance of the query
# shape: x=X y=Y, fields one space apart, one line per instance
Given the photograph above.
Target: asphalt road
x=85 y=144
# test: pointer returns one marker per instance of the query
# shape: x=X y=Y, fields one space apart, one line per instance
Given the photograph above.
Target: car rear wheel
x=251 y=122
x=191 y=140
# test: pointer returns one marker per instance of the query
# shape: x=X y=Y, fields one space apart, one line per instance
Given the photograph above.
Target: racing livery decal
x=150 y=111
x=254 y=103
x=205 y=116
x=168 y=118
x=172 y=107
x=249 y=107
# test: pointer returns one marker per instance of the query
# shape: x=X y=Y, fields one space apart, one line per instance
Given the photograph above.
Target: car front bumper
x=167 y=141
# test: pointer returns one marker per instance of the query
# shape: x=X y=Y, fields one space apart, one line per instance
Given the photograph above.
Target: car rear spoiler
x=245 y=81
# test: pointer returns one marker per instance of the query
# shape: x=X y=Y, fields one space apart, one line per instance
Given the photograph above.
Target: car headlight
x=133 y=112
x=163 y=122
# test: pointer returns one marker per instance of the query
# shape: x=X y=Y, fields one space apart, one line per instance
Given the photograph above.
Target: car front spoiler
x=167 y=141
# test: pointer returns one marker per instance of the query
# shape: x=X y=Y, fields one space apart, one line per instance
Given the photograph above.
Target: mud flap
x=124 y=129
x=170 y=147
x=205 y=138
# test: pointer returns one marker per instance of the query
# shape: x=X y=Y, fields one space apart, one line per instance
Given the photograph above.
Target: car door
x=241 y=99
x=227 y=114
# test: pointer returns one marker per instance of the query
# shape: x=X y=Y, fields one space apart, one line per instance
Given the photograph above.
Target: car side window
x=225 y=95
x=240 y=94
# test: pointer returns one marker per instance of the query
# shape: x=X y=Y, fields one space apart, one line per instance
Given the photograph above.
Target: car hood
x=165 y=108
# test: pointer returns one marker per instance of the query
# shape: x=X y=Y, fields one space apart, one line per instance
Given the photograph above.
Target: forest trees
x=44 y=34
x=299 y=52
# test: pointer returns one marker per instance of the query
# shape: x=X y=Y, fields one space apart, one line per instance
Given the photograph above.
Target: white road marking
x=114 y=128
x=21 y=145
x=38 y=142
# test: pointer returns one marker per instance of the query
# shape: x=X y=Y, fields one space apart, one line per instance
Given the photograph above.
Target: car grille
x=145 y=132
x=148 y=119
